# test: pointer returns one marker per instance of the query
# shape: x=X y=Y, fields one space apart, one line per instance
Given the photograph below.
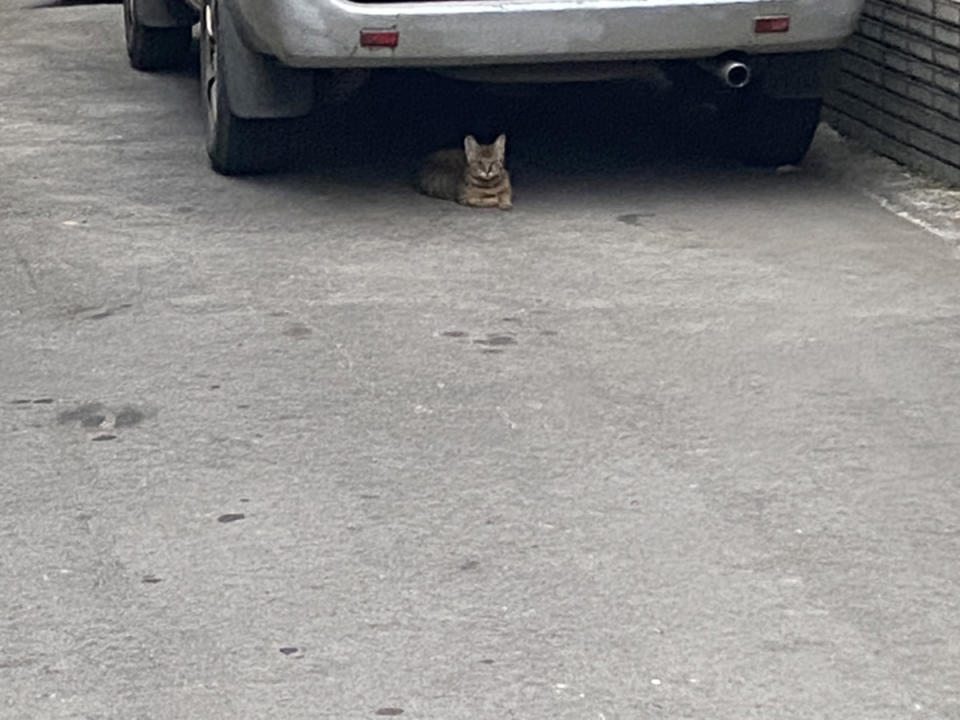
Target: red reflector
x=775 y=24
x=379 y=38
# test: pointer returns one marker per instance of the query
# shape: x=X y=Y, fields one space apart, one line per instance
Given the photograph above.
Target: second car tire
x=152 y=48
x=766 y=131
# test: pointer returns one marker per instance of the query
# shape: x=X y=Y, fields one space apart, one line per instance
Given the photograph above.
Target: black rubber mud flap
x=260 y=87
x=239 y=144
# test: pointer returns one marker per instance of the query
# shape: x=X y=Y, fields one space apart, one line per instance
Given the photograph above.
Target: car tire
x=152 y=48
x=766 y=131
x=237 y=145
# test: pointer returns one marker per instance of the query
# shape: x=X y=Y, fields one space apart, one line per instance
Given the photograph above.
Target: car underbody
x=266 y=65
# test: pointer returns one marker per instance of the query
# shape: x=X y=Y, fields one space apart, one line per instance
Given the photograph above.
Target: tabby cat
x=473 y=176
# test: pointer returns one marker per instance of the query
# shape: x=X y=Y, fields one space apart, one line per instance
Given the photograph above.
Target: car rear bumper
x=326 y=33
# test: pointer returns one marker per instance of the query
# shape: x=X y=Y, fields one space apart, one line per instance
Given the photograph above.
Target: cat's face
x=485 y=162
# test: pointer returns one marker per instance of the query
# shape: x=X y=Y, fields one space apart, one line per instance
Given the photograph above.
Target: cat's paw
x=505 y=205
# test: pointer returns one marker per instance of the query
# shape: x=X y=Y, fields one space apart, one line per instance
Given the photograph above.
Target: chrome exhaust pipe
x=733 y=73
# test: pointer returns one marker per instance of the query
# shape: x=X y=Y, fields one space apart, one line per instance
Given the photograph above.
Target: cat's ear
x=500 y=146
x=470 y=147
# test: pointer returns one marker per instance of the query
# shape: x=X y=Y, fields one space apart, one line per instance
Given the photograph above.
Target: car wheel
x=236 y=145
x=151 y=48
x=766 y=131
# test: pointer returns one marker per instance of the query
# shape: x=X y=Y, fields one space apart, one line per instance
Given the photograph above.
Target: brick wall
x=899 y=89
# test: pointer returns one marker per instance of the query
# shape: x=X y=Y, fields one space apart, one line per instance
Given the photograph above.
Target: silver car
x=267 y=64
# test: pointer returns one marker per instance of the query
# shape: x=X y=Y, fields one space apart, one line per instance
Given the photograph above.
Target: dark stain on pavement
x=128 y=416
x=496 y=339
x=635 y=219
x=88 y=415
x=93 y=414
x=151 y=579
x=453 y=333
x=107 y=312
x=99 y=312
x=297 y=331
x=390 y=711
x=230 y=517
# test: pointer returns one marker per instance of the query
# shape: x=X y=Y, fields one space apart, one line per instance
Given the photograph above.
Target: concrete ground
x=672 y=439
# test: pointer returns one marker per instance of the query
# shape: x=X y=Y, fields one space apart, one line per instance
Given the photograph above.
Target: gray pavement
x=672 y=439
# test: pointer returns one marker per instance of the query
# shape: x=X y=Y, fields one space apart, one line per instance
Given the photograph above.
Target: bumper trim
x=325 y=33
